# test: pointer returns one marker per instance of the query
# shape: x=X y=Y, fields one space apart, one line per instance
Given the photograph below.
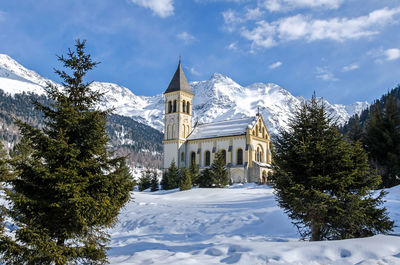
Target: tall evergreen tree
x=382 y=141
x=219 y=172
x=194 y=173
x=323 y=182
x=145 y=180
x=154 y=181
x=355 y=131
x=170 y=178
x=185 y=182
x=67 y=188
x=206 y=179
x=5 y=175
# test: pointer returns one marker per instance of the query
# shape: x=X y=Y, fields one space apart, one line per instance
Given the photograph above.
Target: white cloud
x=232 y=46
x=193 y=71
x=285 y=5
x=325 y=74
x=162 y=8
x=268 y=34
x=275 y=65
x=186 y=37
x=253 y=14
x=392 y=54
x=350 y=67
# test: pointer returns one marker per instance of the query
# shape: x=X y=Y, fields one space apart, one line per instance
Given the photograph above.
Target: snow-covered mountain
x=218 y=98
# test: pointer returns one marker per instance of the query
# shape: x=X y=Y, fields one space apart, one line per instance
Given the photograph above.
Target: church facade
x=244 y=142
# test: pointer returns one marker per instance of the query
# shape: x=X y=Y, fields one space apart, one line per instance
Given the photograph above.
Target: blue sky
x=346 y=51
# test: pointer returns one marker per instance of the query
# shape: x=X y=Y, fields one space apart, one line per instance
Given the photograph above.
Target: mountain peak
x=216 y=99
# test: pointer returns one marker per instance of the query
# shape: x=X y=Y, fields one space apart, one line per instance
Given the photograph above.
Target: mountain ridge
x=218 y=98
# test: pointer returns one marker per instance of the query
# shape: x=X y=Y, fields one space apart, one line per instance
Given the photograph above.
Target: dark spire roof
x=179 y=82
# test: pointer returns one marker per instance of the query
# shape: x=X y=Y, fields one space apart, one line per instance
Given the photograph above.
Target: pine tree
x=194 y=173
x=145 y=180
x=355 y=131
x=206 y=179
x=324 y=182
x=170 y=178
x=219 y=172
x=67 y=188
x=382 y=141
x=185 y=182
x=5 y=175
x=164 y=180
x=154 y=181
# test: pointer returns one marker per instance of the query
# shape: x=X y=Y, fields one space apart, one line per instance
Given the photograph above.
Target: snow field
x=237 y=225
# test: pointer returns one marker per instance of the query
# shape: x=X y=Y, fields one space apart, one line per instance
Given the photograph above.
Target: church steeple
x=179 y=81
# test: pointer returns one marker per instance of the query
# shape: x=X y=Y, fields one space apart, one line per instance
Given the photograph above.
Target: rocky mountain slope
x=218 y=98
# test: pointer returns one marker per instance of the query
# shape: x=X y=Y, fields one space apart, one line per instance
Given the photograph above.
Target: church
x=245 y=143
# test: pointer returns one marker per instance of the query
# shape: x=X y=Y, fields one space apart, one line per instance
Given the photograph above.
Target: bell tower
x=178 y=118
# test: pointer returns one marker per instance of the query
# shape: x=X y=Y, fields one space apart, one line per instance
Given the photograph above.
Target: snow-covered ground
x=237 y=225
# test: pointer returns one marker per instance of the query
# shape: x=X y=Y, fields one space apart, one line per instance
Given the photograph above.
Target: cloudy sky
x=345 y=50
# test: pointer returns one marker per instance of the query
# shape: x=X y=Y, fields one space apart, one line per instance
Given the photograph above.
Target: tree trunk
x=315 y=231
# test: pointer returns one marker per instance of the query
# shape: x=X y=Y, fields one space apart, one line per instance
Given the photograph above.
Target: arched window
x=207 y=161
x=183 y=157
x=174 y=110
x=183 y=106
x=168 y=133
x=258 y=155
x=173 y=131
x=263 y=133
x=169 y=106
x=193 y=158
x=223 y=152
x=259 y=127
x=188 y=108
x=256 y=130
x=239 y=157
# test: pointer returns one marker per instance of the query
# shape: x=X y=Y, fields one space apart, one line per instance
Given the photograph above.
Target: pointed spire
x=179 y=81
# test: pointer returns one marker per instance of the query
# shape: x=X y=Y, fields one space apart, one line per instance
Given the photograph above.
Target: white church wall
x=264 y=146
x=222 y=144
x=236 y=144
x=206 y=145
x=170 y=154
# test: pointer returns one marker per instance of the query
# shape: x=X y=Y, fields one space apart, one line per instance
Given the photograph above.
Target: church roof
x=221 y=128
x=179 y=82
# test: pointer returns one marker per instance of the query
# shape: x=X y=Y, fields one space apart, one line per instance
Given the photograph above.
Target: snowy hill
x=241 y=224
x=218 y=98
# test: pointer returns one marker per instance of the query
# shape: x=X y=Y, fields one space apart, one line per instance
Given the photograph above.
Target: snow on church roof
x=222 y=128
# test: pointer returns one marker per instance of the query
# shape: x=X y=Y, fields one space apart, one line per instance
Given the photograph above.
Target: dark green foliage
x=5 y=175
x=136 y=138
x=185 y=182
x=206 y=179
x=324 y=182
x=127 y=136
x=378 y=128
x=170 y=178
x=216 y=176
x=67 y=188
x=145 y=180
x=194 y=173
x=219 y=172
x=355 y=132
x=154 y=181
x=382 y=141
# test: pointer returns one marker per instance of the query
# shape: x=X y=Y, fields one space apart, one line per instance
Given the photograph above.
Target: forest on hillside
x=140 y=143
